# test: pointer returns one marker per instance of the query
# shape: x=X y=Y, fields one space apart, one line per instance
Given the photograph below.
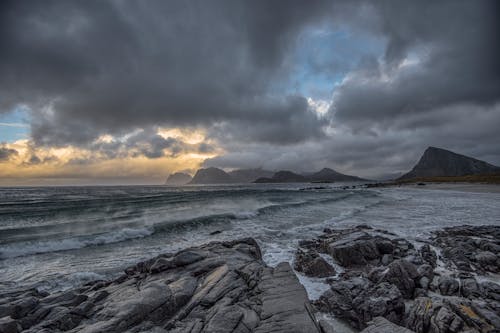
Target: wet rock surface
x=390 y=285
x=218 y=287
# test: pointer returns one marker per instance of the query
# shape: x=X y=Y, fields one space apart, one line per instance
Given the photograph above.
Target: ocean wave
x=38 y=246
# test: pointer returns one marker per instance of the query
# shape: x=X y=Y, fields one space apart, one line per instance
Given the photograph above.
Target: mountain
x=249 y=175
x=212 y=176
x=330 y=175
x=178 y=178
x=437 y=162
x=283 y=177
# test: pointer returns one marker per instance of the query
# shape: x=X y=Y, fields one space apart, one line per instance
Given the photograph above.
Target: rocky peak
x=438 y=162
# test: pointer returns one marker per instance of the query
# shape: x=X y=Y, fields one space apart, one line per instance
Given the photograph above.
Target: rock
x=451 y=315
x=311 y=264
x=470 y=248
x=382 y=325
x=188 y=257
x=428 y=255
x=426 y=270
x=217 y=287
x=491 y=290
x=486 y=258
x=384 y=245
x=358 y=301
x=386 y=259
x=9 y=325
x=162 y=264
x=427 y=315
x=285 y=306
x=354 y=249
x=325 y=326
x=470 y=288
x=448 y=286
x=424 y=282
x=402 y=274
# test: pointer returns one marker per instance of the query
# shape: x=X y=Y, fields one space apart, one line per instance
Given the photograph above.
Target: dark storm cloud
x=98 y=67
x=6 y=153
x=283 y=121
x=455 y=54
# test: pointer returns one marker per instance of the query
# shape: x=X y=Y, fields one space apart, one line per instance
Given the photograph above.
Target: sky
x=127 y=92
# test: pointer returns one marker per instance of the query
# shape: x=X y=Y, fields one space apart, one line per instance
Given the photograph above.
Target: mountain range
x=435 y=162
x=218 y=176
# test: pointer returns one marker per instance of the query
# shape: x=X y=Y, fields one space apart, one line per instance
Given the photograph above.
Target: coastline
x=461 y=187
x=381 y=283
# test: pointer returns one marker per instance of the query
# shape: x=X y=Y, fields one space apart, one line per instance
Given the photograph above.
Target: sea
x=55 y=238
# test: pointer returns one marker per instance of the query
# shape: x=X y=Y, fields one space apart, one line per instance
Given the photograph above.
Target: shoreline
x=444 y=186
x=462 y=187
x=385 y=281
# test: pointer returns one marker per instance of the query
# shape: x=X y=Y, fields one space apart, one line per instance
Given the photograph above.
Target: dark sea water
x=57 y=237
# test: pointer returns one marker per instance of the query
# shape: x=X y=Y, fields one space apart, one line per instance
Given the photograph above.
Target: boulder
x=312 y=264
x=401 y=273
x=448 y=286
x=356 y=248
x=358 y=301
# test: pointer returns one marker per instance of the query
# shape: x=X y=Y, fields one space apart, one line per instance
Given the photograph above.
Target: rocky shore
x=389 y=285
x=386 y=284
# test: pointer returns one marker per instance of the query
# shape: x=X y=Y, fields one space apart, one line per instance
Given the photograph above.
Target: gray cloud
x=457 y=61
x=94 y=67
x=109 y=67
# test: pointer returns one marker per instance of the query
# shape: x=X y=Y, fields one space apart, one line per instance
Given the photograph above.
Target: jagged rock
x=358 y=301
x=217 y=287
x=471 y=248
x=491 y=290
x=427 y=315
x=451 y=315
x=448 y=286
x=311 y=264
x=382 y=325
x=400 y=273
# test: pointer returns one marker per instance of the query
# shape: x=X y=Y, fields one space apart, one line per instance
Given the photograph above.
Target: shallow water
x=58 y=237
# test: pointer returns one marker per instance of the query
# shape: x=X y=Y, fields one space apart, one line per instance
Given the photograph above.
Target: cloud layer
x=391 y=78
